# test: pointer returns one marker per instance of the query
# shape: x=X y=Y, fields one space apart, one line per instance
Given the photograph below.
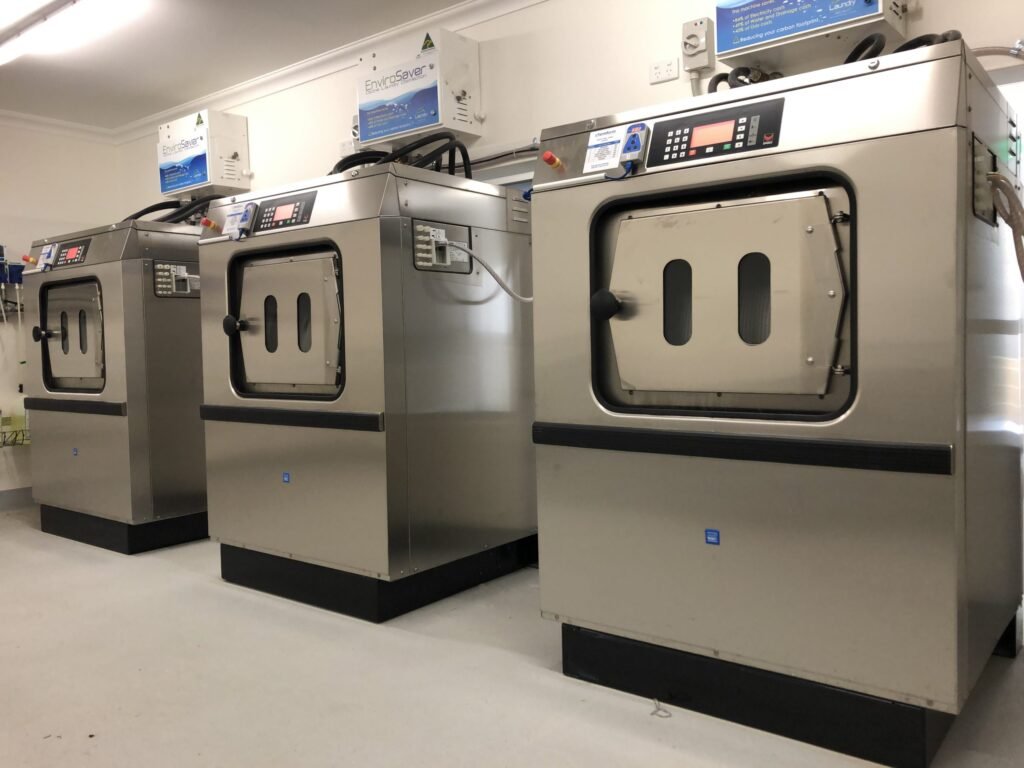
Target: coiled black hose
x=868 y=48
x=366 y=157
x=161 y=206
x=188 y=210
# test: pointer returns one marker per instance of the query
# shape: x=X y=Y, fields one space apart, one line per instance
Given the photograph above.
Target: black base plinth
x=1009 y=642
x=363 y=596
x=122 y=537
x=883 y=731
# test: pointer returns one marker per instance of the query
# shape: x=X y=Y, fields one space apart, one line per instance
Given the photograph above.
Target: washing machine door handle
x=233 y=325
x=604 y=305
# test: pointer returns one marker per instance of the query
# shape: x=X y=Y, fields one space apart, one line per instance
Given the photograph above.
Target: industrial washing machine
x=114 y=386
x=368 y=388
x=778 y=385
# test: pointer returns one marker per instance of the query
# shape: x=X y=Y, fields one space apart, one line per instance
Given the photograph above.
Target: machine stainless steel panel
x=136 y=453
x=440 y=359
x=894 y=583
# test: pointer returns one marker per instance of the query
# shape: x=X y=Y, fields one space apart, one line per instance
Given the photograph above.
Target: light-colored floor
x=152 y=661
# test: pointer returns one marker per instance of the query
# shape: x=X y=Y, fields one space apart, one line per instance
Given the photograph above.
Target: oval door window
x=270 y=323
x=755 y=298
x=65 y=344
x=83 y=339
x=304 y=311
x=677 y=302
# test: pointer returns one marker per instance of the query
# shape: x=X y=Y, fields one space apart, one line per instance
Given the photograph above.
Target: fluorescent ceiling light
x=12 y=11
x=72 y=27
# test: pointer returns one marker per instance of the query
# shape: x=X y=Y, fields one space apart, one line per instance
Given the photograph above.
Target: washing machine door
x=744 y=297
x=71 y=336
x=290 y=335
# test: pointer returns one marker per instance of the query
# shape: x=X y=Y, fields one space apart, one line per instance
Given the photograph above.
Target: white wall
x=553 y=62
x=50 y=183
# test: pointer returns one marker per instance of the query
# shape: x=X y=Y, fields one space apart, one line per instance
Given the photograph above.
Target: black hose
x=161 y=206
x=467 y=165
x=717 y=80
x=198 y=205
x=408 y=149
x=920 y=42
x=435 y=154
x=868 y=48
x=365 y=157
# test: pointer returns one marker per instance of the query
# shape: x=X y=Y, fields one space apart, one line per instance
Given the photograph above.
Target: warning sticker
x=604 y=149
x=428 y=44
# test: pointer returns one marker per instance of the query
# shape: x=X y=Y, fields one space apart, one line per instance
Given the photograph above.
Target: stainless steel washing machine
x=368 y=388
x=778 y=387
x=114 y=385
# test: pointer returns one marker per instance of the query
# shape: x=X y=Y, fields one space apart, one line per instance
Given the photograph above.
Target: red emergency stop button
x=28 y=259
x=210 y=224
x=551 y=159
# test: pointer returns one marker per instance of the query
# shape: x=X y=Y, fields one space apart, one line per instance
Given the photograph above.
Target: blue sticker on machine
x=712 y=536
x=74 y=451
x=743 y=23
x=286 y=477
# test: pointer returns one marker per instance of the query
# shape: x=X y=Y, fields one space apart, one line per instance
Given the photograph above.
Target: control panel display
x=284 y=212
x=70 y=254
x=714 y=134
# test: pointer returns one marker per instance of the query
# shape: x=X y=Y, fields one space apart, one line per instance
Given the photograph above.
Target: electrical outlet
x=698 y=44
x=663 y=71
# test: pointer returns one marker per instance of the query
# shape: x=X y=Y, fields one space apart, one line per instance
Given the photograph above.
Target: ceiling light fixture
x=56 y=28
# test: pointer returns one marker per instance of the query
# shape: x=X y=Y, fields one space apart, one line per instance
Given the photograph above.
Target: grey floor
x=153 y=661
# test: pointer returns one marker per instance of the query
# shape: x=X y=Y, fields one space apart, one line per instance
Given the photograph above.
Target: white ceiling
x=185 y=49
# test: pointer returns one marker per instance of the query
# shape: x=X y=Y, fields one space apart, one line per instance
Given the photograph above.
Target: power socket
x=664 y=71
x=698 y=44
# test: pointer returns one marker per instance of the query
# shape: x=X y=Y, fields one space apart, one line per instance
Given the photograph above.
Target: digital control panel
x=176 y=280
x=70 y=254
x=714 y=134
x=281 y=212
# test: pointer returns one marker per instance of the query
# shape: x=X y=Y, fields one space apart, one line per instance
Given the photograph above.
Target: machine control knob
x=551 y=159
x=233 y=325
x=604 y=305
x=38 y=334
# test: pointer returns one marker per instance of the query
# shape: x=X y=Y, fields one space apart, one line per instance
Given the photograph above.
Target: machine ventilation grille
x=230 y=170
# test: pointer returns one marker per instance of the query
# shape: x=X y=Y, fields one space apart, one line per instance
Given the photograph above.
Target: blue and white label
x=181 y=152
x=603 y=149
x=399 y=99
x=744 y=23
x=286 y=477
x=184 y=173
x=712 y=536
x=74 y=451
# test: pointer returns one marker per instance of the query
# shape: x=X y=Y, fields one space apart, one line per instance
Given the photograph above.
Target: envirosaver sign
x=743 y=23
x=181 y=152
x=398 y=99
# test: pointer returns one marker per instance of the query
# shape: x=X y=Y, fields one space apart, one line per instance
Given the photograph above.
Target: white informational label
x=232 y=218
x=456 y=255
x=437 y=234
x=604 y=149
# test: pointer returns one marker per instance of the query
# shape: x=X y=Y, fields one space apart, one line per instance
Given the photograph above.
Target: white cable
x=1006 y=202
x=695 y=82
x=497 y=278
